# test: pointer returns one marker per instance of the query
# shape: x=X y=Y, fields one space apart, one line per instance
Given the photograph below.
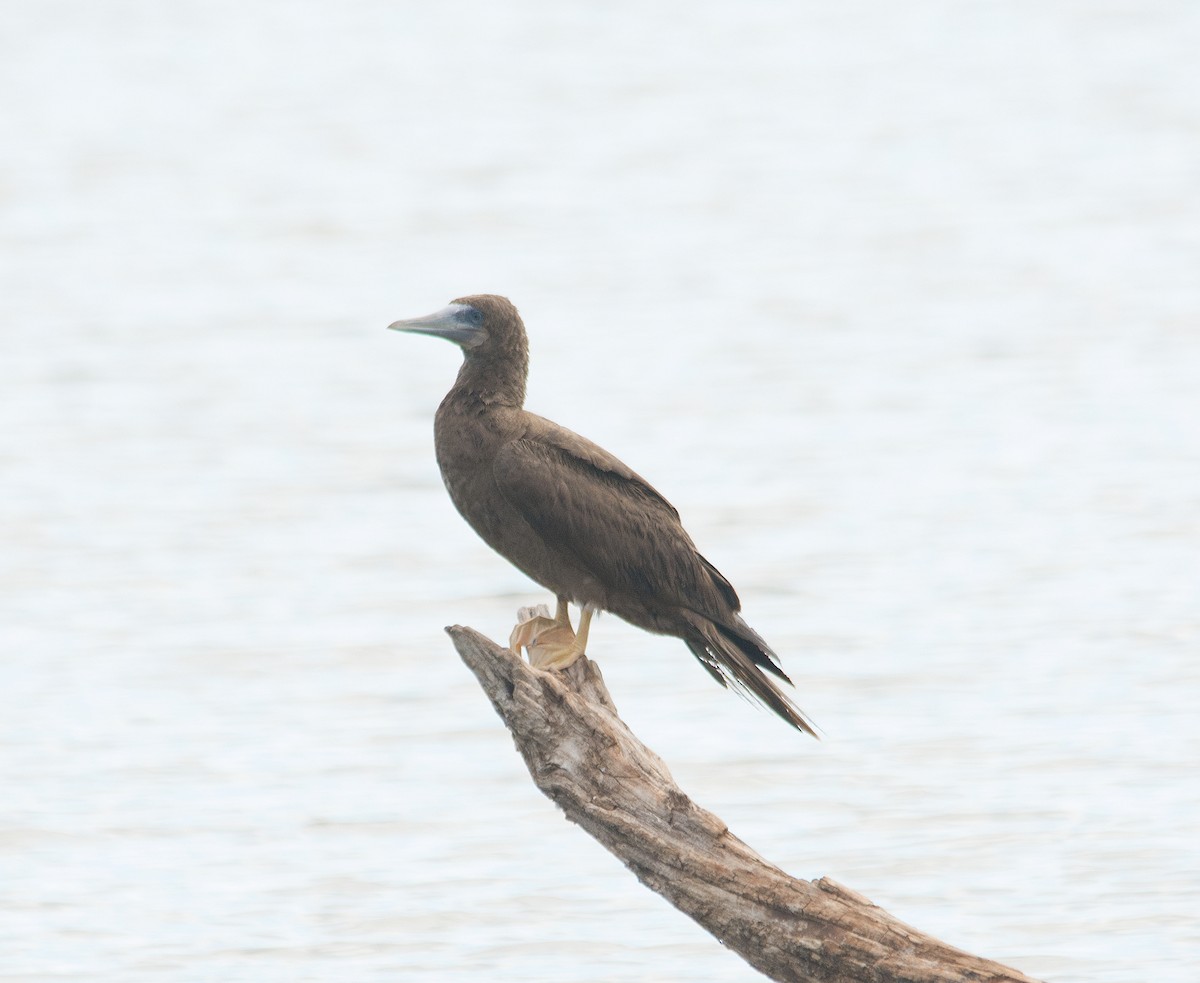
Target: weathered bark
x=584 y=757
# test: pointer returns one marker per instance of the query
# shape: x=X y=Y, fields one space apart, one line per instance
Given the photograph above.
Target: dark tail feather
x=753 y=646
x=737 y=655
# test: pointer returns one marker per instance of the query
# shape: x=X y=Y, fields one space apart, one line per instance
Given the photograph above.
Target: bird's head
x=483 y=324
x=489 y=331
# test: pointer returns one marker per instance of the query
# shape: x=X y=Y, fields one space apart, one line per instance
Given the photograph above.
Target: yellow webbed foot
x=551 y=643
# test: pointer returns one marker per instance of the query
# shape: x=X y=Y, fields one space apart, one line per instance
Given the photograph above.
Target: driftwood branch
x=584 y=757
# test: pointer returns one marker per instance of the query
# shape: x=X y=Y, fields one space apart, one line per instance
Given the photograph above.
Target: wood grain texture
x=582 y=755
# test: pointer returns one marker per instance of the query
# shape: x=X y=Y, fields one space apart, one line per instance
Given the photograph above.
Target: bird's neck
x=493 y=382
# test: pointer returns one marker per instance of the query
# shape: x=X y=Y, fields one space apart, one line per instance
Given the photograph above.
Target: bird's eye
x=473 y=316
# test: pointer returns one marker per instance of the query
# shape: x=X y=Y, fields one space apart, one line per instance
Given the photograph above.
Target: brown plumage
x=573 y=517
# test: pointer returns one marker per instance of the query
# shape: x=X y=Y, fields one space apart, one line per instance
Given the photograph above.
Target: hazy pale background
x=897 y=302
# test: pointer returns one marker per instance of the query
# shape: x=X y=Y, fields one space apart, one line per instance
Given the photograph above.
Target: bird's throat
x=492 y=382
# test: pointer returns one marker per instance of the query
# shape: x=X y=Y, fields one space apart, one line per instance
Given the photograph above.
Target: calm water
x=898 y=303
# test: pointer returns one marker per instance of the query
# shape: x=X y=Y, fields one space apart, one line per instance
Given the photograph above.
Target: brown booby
x=575 y=519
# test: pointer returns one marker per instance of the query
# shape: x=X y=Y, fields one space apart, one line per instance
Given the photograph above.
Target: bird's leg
x=585 y=622
x=562 y=615
x=566 y=646
x=551 y=643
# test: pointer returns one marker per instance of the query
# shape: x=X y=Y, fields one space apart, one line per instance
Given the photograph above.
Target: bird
x=576 y=519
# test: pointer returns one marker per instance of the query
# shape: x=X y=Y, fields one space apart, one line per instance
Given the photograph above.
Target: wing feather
x=584 y=501
x=611 y=522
